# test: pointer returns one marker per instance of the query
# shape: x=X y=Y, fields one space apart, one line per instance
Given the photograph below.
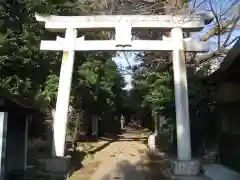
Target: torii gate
x=123 y=25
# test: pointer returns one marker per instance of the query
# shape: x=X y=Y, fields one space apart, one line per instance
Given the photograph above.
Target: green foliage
x=33 y=75
x=97 y=85
x=101 y=81
x=51 y=87
x=24 y=68
x=155 y=89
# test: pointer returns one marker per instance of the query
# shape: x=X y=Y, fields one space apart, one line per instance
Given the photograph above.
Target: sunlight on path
x=120 y=159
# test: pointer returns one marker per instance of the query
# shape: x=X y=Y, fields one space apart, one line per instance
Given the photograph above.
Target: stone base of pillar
x=185 y=168
x=57 y=165
x=189 y=178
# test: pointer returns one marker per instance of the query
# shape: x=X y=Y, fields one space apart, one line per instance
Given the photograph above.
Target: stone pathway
x=120 y=159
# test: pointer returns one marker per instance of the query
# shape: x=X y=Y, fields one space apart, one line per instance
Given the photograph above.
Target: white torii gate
x=123 y=25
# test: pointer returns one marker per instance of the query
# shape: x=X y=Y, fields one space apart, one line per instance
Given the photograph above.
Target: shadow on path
x=157 y=167
x=123 y=168
x=148 y=168
x=126 y=135
x=125 y=171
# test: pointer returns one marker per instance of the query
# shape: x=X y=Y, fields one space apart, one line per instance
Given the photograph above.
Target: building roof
x=229 y=66
x=20 y=101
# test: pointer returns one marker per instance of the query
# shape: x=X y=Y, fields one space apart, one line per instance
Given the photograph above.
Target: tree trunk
x=156 y=129
x=155 y=125
x=75 y=133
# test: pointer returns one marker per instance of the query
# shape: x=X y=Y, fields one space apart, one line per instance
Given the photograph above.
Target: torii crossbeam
x=123 y=26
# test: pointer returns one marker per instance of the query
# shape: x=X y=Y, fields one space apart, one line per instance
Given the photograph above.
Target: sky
x=121 y=61
x=218 y=5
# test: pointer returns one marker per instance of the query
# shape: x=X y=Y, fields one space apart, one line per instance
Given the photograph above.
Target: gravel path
x=122 y=159
x=119 y=159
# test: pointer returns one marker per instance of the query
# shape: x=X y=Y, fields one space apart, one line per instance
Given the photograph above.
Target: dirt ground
x=123 y=157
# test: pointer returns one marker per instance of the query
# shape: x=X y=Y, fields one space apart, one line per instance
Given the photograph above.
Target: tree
x=20 y=57
x=152 y=90
x=100 y=87
x=33 y=75
x=226 y=19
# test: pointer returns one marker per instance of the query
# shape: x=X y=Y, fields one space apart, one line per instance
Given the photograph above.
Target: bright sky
x=219 y=5
x=122 y=62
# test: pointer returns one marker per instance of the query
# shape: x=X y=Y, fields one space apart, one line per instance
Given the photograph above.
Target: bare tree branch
x=219 y=29
x=215 y=30
x=231 y=30
x=218 y=24
x=235 y=39
x=230 y=7
x=225 y=21
x=208 y=56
